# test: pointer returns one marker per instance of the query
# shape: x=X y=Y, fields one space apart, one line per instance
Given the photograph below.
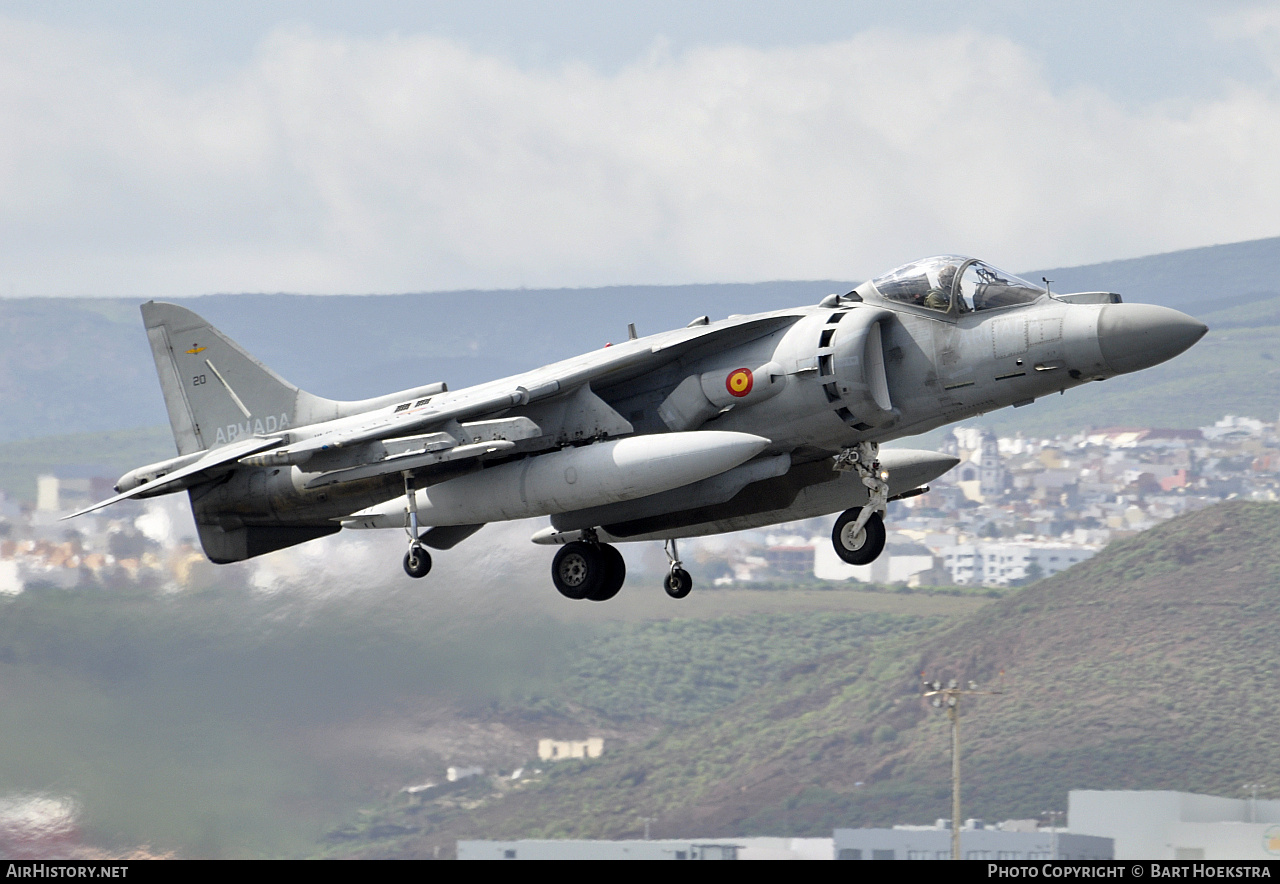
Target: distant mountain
x=1150 y=666
x=1196 y=281
x=78 y=365
x=82 y=365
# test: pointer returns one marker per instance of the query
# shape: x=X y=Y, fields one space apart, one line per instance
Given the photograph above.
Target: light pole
x=1253 y=804
x=1053 y=830
x=949 y=697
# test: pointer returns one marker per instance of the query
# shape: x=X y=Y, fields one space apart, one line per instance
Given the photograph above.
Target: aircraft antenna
x=949 y=696
x=1047 y=283
x=631 y=331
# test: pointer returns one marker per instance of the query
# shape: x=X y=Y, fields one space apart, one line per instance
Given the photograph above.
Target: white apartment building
x=1178 y=825
x=1004 y=563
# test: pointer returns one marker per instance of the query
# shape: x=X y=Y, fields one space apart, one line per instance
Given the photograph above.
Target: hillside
x=230 y=721
x=738 y=712
x=1151 y=666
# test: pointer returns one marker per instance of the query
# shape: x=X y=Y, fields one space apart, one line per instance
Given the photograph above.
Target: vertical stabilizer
x=215 y=392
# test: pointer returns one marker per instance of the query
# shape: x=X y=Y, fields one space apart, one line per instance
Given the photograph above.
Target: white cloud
x=410 y=163
x=1258 y=26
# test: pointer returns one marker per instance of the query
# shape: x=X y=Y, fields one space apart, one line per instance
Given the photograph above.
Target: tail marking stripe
x=234 y=398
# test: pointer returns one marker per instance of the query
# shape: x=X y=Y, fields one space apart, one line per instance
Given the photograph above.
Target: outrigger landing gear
x=678 y=583
x=417 y=561
x=859 y=535
x=588 y=569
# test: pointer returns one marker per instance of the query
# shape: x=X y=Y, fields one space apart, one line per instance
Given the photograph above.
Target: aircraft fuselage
x=748 y=421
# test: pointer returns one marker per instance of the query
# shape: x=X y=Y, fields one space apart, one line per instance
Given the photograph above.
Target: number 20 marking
x=197 y=380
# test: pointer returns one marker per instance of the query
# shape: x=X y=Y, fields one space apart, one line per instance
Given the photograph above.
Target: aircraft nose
x=1138 y=336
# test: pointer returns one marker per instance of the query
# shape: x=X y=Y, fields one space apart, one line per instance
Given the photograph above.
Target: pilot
x=939 y=298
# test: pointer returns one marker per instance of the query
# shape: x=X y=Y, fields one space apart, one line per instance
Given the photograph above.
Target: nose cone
x=1138 y=336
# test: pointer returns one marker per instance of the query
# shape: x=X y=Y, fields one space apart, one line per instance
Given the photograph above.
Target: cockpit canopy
x=948 y=282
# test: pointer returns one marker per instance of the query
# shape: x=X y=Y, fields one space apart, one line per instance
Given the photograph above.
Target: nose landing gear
x=859 y=535
x=858 y=545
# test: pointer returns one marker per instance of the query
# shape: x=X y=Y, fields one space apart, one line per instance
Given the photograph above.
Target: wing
x=437 y=431
x=416 y=437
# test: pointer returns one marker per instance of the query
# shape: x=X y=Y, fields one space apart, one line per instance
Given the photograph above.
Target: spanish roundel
x=739 y=382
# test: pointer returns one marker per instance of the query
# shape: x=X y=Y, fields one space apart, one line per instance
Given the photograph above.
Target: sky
x=153 y=149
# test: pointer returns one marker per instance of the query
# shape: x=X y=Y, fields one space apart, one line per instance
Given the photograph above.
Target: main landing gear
x=859 y=535
x=588 y=569
x=417 y=561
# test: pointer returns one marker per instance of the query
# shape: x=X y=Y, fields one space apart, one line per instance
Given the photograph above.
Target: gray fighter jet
x=719 y=426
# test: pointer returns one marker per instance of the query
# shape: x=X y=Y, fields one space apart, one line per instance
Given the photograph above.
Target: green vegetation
x=205 y=722
x=679 y=671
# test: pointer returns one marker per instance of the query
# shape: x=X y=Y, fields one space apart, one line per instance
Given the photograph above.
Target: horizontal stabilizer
x=177 y=480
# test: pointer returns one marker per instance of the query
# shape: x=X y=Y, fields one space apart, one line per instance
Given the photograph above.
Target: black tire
x=678 y=583
x=866 y=547
x=615 y=574
x=417 y=562
x=578 y=570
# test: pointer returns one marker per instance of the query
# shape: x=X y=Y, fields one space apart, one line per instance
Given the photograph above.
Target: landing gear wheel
x=417 y=562
x=678 y=583
x=579 y=570
x=858 y=547
x=614 y=576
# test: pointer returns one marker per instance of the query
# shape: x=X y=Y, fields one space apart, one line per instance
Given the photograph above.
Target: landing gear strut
x=859 y=535
x=677 y=583
x=588 y=569
x=417 y=561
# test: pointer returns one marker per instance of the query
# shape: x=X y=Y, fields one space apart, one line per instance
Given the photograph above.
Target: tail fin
x=217 y=393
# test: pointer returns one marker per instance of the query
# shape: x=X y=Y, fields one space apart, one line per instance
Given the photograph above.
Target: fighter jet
x=719 y=426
